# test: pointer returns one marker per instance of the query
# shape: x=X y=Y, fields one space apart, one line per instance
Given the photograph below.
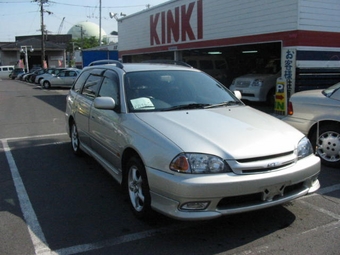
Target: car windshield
x=329 y=91
x=174 y=90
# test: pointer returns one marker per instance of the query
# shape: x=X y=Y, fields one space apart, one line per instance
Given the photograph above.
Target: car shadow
x=57 y=101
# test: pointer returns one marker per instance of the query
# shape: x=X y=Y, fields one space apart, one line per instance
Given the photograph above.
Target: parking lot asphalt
x=52 y=202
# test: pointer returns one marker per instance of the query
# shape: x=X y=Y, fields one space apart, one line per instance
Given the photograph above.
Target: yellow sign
x=281 y=96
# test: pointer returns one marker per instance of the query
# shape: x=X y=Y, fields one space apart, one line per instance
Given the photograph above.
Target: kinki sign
x=176 y=25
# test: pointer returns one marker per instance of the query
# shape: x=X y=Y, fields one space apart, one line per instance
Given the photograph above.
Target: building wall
x=189 y=24
x=319 y=15
x=220 y=19
x=8 y=58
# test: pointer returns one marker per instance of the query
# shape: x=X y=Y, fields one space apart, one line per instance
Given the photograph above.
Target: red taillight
x=290 y=108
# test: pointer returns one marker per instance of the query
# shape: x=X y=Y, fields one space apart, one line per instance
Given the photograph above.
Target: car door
x=86 y=87
x=105 y=124
x=59 y=79
x=69 y=78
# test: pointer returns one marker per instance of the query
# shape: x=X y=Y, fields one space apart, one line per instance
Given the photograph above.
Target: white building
x=305 y=34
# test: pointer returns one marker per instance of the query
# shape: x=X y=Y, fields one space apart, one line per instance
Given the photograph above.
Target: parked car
x=31 y=77
x=49 y=72
x=16 y=72
x=316 y=113
x=184 y=145
x=260 y=85
x=26 y=77
x=64 y=78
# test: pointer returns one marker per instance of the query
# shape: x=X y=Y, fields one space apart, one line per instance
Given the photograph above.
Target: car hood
x=232 y=133
x=309 y=94
x=311 y=97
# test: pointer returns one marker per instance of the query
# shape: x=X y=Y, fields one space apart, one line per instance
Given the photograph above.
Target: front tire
x=327 y=144
x=271 y=97
x=138 y=188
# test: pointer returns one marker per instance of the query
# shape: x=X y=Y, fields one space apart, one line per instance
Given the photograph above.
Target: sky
x=22 y=17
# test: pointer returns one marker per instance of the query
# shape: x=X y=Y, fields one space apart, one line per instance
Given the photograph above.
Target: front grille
x=242 y=84
x=267 y=169
x=264 y=164
x=247 y=160
x=256 y=198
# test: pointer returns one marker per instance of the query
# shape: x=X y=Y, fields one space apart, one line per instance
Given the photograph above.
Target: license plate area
x=270 y=192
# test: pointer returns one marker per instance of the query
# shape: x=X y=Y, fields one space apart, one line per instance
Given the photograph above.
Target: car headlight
x=257 y=83
x=196 y=163
x=304 y=148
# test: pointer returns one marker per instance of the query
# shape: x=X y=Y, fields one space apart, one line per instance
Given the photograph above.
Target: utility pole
x=100 y=22
x=42 y=28
x=42 y=32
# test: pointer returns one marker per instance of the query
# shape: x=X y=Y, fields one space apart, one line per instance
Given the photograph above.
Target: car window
x=62 y=74
x=193 y=63
x=91 y=86
x=163 y=90
x=206 y=64
x=331 y=90
x=71 y=73
x=110 y=87
x=78 y=85
x=220 y=64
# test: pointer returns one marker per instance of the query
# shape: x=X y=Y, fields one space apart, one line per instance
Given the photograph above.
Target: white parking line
x=38 y=238
x=34 y=228
x=119 y=240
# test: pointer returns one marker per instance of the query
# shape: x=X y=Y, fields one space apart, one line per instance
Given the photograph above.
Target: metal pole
x=42 y=32
x=25 y=50
x=100 y=22
x=26 y=60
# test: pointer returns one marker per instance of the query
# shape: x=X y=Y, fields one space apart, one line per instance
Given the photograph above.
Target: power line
x=94 y=6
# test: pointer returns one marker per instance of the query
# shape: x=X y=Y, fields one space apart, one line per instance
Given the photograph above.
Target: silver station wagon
x=183 y=145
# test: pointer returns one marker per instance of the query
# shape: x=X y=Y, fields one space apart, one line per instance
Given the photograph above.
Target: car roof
x=134 y=67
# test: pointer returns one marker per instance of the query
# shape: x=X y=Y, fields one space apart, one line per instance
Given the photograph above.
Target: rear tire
x=46 y=85
x=75 y=142
x=327 y=144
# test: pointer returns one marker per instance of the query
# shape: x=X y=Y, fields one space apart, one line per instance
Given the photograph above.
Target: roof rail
x=167 y=61
x=106 y=62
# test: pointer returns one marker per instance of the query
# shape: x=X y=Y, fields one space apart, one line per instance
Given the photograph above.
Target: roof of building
x=34 y=42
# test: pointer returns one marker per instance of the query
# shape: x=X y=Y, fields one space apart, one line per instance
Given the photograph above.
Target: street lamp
x=24 y=49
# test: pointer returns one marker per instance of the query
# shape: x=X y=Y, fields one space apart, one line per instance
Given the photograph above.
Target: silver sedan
x=183 y=145
x=64 y=78
x=316 y=113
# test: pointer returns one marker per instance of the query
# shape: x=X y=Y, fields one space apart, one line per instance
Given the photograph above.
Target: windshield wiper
x=229 y=103
x=186 y=107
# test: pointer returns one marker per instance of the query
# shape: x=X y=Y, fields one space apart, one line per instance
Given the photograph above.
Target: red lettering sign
x=154 y=39
x=175 y=25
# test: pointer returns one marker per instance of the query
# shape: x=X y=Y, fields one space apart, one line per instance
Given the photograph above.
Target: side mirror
x=237 y=94
x=104 y=103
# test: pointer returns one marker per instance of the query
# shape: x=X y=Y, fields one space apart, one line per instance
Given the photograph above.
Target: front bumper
x=255 y=94
x=229 y=193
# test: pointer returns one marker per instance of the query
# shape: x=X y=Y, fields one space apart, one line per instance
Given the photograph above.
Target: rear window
x=206 y=64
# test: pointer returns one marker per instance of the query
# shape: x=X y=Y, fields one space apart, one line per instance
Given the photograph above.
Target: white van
x=5 y=71
x=259 y=86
